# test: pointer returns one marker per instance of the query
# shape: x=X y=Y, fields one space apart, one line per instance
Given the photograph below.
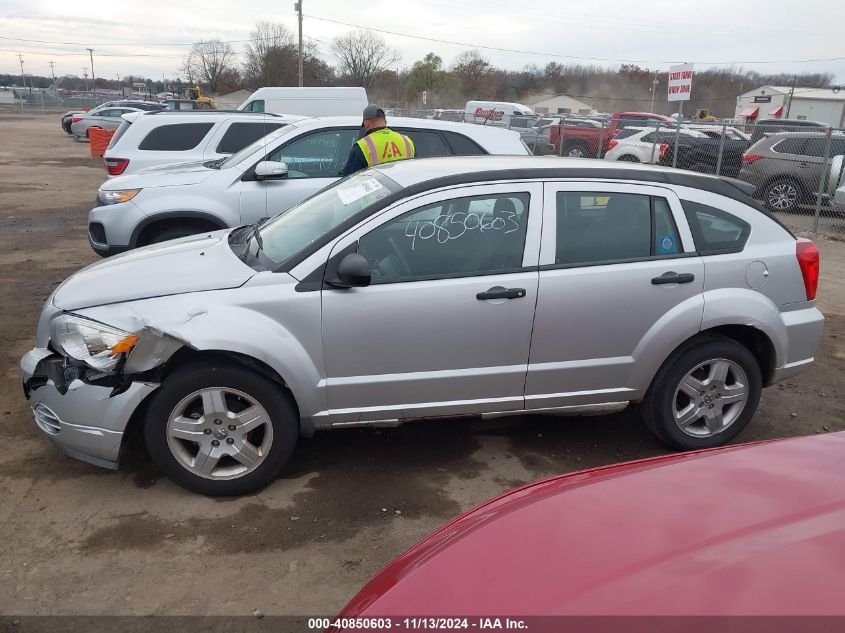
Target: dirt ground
x=86 y=541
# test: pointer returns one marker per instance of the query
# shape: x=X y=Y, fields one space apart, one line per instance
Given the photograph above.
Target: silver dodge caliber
x=480 y=286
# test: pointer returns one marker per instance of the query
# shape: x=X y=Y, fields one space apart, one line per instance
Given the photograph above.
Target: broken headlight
x=99 y=346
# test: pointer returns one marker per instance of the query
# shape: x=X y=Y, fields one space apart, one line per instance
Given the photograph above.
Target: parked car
x=106 y=118
x=767 y=127
x=715 y=131
x=590 y=142
x=705 y=155
x=787 y=168
x=749 y=530
x=182 y=104
x=644 y=144
x=667 y=289
x=836 y=183
x=67 y=117
x=149 y=139
x=449 y=115
x=263 y=179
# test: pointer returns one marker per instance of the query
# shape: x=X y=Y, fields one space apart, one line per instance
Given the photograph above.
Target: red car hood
x=755 y=529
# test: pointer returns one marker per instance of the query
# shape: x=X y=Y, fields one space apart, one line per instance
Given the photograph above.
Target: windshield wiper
x=256 y=233
x=214 y=164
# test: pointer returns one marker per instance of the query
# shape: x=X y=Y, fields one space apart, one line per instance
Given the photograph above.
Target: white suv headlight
x=97 y=345
x=106 y=197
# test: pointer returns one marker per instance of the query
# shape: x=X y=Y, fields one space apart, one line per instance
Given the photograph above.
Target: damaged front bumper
x=86 y=421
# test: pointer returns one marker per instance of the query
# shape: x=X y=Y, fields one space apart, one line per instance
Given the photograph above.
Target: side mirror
x=270 y=170
x=353 y=271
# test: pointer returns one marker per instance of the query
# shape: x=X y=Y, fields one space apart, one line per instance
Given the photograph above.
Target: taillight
x=613 y=143
x=748 y=159
x=75 y=119
x=808 y=260
x=664 y=147
x=116 y=166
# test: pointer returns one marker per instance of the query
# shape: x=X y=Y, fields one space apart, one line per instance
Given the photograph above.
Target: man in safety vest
x=379 y=145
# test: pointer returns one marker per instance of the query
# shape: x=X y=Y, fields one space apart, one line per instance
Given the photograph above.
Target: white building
x=556 y=104
x=810 y=104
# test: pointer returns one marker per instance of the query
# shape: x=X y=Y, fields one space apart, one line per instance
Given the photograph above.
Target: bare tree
x=473 y=71
x=271 y=56
x=207 y=62
x=362 y=56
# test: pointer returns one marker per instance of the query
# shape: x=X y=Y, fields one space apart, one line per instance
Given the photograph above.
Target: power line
x=543 y=54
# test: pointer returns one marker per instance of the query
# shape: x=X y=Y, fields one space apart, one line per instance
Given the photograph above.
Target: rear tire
x=252 y=419
x=704 y=395
x=782 y=194
x=576 y=150
x=628 y=158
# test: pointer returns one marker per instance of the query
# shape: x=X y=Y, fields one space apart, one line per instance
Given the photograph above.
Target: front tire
x=704 y=395
x=628 y=158
x=221 y=429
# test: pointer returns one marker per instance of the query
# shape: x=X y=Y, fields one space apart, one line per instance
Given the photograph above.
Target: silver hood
x=170 y=175
x=190 y=264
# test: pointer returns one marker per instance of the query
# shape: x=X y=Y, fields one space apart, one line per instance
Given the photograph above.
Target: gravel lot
x=80 y=540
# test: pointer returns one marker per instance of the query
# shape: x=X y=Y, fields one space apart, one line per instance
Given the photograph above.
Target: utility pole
x=791 y=92
x=653 y=90
x=85 y=76
x=298 y=7
x=23 y=78
x=93 y=74
x=53 y=71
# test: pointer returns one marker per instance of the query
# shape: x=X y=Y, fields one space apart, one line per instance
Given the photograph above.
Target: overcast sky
x=149 y=37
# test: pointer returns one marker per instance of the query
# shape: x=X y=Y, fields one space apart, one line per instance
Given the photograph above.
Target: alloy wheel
x=219 y=433
x=710 y=398
x=783 y=196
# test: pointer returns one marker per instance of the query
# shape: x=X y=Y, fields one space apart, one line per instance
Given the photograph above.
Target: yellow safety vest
x=385 y=146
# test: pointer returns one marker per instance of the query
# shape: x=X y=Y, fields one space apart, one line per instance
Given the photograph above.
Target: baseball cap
x=373 y=112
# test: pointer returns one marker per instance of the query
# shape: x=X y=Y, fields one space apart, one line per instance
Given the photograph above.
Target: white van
x=308 y=101
x=493 y=111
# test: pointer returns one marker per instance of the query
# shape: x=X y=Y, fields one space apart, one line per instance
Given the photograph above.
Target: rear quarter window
x=426 y=143
x=463 y=146
x=177 y=137
x=715 y=231
x=120 y=132
x=790 y=146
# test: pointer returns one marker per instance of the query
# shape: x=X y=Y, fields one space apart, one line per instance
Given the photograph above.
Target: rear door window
x=177 y=137
x=715 y=231
x=594 y=227
x=239 y=135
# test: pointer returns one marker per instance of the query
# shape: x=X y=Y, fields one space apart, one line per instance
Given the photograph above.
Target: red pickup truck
x=591 y=142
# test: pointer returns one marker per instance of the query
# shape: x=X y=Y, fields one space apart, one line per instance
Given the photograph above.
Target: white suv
x=149 y=139
x=263 y=179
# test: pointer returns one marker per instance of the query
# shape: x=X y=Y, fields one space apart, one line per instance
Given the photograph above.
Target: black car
x=702 y=154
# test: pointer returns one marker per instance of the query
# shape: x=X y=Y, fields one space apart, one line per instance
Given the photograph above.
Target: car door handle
x=497 y=292
x=672 y=277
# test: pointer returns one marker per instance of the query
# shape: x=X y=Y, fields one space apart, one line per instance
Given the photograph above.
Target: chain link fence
x=45 y=102
x=795 y=167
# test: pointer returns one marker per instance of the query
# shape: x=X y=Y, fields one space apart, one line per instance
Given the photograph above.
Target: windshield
x=250 y=149
x=294 y=230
